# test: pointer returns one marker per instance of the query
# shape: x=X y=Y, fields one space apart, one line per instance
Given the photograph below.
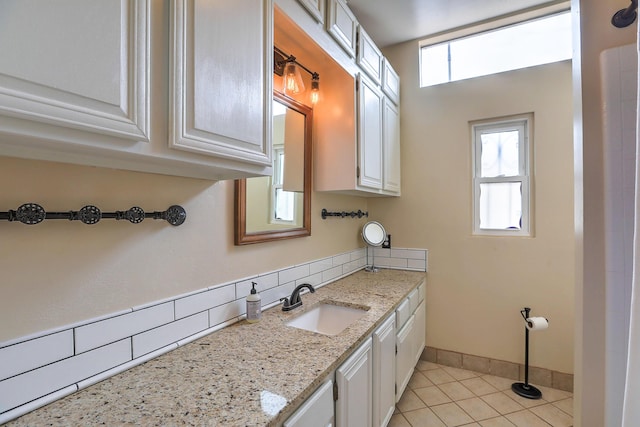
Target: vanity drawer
x=414 y=300
x=403 y=313
x=422 y=290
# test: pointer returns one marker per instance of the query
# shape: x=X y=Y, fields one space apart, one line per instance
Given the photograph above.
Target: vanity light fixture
x=292 y=79
x=315 y=88
x=288 y=67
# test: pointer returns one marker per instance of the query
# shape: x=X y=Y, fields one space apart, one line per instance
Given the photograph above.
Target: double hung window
x=501 y=177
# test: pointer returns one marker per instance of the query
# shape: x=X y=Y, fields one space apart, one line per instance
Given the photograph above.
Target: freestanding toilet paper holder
x=525 y=389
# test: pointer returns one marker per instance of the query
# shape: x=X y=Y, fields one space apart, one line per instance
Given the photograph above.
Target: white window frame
x=485 y=27
x=277 y=184
x=523 y=124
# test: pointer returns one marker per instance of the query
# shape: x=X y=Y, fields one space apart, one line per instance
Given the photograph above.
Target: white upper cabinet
x=342 y=25
x=369 y=56
x=219 y=79
x=96 y=83
x=358 y=133
x=315 y=8
x=370 y=152
x=74 y=65
x=390 y=82
x=391 y=143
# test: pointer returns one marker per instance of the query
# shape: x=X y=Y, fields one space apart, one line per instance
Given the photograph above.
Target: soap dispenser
x=254 y=309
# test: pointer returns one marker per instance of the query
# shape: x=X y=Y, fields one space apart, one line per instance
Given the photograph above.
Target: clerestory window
x=534 y=42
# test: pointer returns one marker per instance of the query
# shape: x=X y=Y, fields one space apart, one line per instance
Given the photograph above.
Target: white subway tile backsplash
x=274 y=294
x=225 y=312
x=381 y=252
x=358 y=254
x=116 y=328
x=319 y=266
x=204 y=301
x=43 y=367
x=408 y=253
x=391 y=262
x=312 y=280
x=417 y=264
x=18 y=358
x=24 y=388
x=154 y=339
x=352 y=266
x=292 y=274
x=328 y=275
x=268 y=281
x=341 y=259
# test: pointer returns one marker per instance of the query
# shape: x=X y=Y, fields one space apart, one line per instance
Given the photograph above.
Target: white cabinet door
x=391 y=140
x=342 y=25
x=370 y=152
x=221 y=69
x=73 y=66
x=391 y=82
x=315 y=8
x=316 y=411
x=405 y=356
x=384 y=373
x=369 y=57
x=354 y=381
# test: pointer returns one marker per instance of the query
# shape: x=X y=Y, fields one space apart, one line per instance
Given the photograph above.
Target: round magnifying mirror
x=373 y=234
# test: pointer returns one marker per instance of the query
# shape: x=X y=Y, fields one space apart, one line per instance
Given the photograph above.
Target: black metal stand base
x=526 y=390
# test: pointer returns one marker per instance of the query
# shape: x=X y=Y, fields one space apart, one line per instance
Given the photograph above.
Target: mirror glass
x=279 y=206
x=373 y=233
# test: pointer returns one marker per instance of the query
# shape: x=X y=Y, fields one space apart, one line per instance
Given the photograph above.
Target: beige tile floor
x=442 y=396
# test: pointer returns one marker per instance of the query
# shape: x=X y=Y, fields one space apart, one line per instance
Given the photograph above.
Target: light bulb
x=315 y=88
x=293 y=83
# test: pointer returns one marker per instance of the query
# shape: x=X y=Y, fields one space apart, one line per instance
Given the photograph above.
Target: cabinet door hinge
x=395 y=388
x=396 y=348
x=335 y=392
x=357 y=171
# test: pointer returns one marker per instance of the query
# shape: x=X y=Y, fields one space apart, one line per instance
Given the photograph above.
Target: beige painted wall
x=478 y=285
x=58 y=272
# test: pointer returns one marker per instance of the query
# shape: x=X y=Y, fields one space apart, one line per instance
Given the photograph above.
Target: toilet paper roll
x=537 y=323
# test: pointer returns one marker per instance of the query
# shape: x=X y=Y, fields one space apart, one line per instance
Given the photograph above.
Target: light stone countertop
x=243 y=375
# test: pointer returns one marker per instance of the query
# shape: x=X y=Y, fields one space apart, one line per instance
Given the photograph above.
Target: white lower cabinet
x=316 y=411
x=355 y=385
x=404 y=358
x=372 y=379
x=384 y=374
x=410 y=340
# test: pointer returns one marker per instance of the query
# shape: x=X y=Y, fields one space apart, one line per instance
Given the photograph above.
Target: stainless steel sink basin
x=327 y=318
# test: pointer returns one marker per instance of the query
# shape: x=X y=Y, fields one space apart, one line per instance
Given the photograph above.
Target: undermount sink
x=327 y=318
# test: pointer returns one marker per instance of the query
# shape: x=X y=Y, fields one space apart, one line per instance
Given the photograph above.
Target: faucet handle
x=286 y=302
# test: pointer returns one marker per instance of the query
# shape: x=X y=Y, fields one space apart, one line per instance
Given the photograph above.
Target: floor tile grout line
x=481 y=376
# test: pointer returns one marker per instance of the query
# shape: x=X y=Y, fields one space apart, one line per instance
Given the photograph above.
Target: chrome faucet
x=294 y=300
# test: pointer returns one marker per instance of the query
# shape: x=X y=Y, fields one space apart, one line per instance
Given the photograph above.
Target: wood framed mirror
x=278 y=207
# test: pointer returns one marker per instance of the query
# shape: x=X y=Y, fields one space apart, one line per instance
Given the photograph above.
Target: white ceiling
x=394 y=21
